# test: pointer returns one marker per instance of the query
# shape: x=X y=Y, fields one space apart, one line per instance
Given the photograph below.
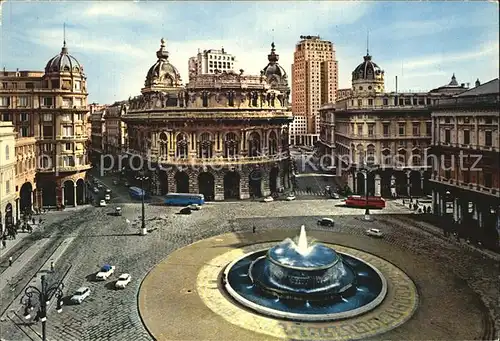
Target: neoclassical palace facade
x=224 y=135
x=379 y=140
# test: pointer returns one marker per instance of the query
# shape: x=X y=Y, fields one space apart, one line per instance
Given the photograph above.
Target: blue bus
x=136 y=193
x=182 y=199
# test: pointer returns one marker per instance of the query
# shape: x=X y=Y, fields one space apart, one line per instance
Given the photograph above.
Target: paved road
x=100 y=238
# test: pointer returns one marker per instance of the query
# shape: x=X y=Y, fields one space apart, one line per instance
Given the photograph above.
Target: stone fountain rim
x=304 y=317
x=317 y=268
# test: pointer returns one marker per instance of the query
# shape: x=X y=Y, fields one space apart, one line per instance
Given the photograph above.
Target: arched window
x=370 y=154
x=163 y=145
x=254 y=145
x=255 y=97
x=230 y=145
x=230 y=98
x=205 y=146
x=182 y=147
x=204 y=98
x=273 y=143
x=7 y=152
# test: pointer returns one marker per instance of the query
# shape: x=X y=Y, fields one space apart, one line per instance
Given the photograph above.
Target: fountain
x=302 y=281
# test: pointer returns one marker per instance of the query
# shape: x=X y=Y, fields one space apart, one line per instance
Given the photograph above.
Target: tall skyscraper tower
x=314 y=81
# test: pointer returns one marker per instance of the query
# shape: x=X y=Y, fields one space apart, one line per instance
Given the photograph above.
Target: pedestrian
x=4 y=243
x=253 y=229
x=33 y=220
x=51 y=266
x=10 y=261
x=40 y=221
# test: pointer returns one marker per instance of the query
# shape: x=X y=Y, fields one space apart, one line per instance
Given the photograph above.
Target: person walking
x=10 y=261
x=4 y=243
x=253 y=229
x=52 y=267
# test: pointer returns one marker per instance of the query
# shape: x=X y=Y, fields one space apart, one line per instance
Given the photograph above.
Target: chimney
x=396 y=84
x=478 y=83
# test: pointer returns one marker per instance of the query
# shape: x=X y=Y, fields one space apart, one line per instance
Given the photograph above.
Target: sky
x=423 y=43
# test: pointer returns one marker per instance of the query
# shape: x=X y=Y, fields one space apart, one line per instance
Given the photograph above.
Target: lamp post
x=367 y=169
x=141 y=178
x=41 y=297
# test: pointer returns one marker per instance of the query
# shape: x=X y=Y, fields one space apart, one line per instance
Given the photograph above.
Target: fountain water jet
x=302 y=243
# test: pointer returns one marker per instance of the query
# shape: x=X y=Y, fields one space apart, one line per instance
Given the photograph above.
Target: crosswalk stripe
x=302 y=192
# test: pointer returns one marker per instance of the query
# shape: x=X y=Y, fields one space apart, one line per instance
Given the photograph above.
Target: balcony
x=476 y=188
x=216 y=161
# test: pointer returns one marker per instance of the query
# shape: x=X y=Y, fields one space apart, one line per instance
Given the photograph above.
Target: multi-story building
x=298 y=130
x=314 y=82
x=343 y=93
x=8 y=211
x=115 y=131
x=17 y=94
x=386 y=133
x=50 y=108
x=465 y=154
x=224 y=135
x=210 y=62
x=97 y=122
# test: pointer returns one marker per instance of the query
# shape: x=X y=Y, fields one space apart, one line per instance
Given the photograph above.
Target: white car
x=95 y=189
x=99 y=185
x=102 y=203
x=374 y=233
x=107 y=197
x=105 y=272
x=122 y=281
x=267 y=199
x=290 y=197
x=108 y=190
x=195 y=207
x=79 y=295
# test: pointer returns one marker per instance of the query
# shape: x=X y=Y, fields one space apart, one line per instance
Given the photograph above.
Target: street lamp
x=367 y=169
x=141 y=178
x=41 y=297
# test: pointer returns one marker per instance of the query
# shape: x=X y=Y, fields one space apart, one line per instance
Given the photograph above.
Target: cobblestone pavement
x=101 y=238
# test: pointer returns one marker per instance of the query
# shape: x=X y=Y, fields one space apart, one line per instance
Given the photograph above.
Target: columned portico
x=377 y=185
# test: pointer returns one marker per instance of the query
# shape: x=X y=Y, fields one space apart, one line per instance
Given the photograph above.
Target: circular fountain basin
x=359 y=289
x=315 y=273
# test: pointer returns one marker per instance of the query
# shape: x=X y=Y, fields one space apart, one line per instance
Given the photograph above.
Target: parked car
x=185 y=210
x=290 y=197
x=326 y=222
x=95 y=190
x=374 y=233
x=107 y=197
x=106 y=271
x=100 y=186
x=194 y=207
x=118 y=211
x=126 y=184
x=267 y=199
x=335 y=195
x=80 y=295
x=108 y=191
x=102 y=203
x=122 y=281
x=115 y=182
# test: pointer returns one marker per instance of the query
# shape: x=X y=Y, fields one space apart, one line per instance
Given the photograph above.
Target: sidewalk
x=438 y=232
x=20 y=262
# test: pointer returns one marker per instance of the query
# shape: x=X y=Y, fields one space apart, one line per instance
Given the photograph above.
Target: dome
x=63 y=62
x=367 y=70
x=274 y=73
x=162 y=73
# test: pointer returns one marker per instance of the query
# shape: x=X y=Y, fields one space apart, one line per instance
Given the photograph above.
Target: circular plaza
x=186 y=295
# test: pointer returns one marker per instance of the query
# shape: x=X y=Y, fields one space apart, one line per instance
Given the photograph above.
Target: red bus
x=360 y=202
